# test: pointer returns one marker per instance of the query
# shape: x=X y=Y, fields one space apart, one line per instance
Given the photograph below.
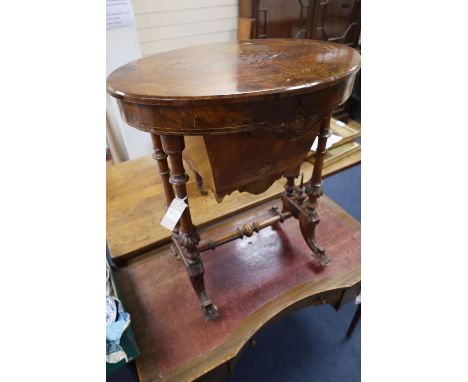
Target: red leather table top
x=241 y=277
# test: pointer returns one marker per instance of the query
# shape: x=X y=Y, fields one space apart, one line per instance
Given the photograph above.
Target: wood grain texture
x=258 y=104
x=212 y=157
x=252 y=287
x=331 y=20
x=256 y=159
x=243 y=71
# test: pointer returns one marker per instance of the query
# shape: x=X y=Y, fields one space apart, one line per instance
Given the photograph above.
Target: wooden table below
x=136 y=203
x=276 y=275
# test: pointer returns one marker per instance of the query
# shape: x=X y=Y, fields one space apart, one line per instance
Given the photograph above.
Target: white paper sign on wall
x=119 y=14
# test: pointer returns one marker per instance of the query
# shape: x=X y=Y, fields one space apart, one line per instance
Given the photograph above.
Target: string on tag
x=181 y=200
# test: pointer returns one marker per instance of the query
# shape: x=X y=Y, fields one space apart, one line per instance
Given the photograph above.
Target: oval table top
x=237 y=72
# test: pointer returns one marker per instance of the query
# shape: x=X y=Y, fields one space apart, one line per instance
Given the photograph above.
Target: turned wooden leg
x=313 y=190
x=161 y=157
x=289 y=186
x=199 y=183
x=187 y=240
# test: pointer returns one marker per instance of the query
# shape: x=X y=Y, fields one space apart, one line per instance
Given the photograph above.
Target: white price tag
x=332 y=139
x=173 y=214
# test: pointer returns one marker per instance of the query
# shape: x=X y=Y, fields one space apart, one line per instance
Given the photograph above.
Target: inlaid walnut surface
x=242 y=114
x=242 y=71
x=275 y=92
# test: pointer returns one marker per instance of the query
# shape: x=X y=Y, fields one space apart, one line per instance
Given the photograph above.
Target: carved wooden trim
x=288 y=117
x=294 y=129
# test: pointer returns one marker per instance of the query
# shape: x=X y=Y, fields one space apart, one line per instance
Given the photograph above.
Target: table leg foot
x=196 y=272
x=318 y=253
x=307 y=226
x=308 y=220
x=209 y=310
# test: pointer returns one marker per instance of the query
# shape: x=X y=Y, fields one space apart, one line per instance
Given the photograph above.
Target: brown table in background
x=252 y=288
x=136 y=204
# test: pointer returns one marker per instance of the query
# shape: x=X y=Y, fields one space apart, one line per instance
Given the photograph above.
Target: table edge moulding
x=259 y=104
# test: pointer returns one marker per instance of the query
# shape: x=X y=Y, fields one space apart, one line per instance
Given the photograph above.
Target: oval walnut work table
x=246 y=114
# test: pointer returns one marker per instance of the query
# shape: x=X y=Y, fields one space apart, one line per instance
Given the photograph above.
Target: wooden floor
x=251 y=281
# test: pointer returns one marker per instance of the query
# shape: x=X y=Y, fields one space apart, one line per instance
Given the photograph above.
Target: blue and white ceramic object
x=111 y=310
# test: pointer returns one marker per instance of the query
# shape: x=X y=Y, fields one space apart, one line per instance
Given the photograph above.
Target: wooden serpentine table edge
x=288 y=301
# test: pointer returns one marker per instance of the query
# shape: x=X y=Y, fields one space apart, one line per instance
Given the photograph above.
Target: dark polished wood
x=161 y=157
x=337 y=21
x=249 y=112
x=236 y=72
x=328 y=20
x=302 y=204
x=247 y=230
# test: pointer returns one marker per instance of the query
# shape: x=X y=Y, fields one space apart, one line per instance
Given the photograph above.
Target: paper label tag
x=332 y=139
x=173 y=214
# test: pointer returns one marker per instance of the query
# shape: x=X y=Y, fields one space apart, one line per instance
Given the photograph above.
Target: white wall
x=122 y=46
x=164 y=25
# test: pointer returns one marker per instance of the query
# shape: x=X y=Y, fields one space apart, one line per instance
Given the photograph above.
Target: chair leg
x=314 y=191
